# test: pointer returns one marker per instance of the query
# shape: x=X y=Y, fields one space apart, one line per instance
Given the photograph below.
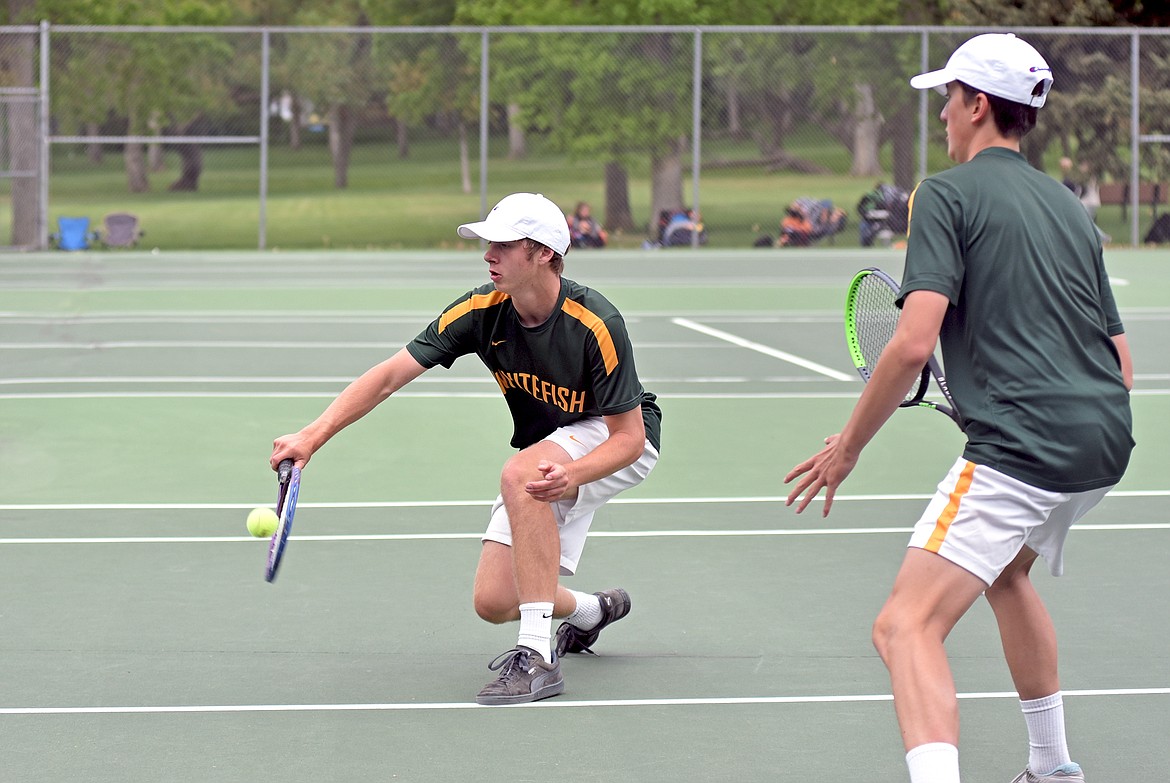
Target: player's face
x=957 y=120
x=510 y=265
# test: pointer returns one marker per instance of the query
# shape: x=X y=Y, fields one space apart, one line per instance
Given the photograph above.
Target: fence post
x=264 y=99
x=483 y=123
x=923 y=108
x=696 y=127
x=1134 y=132
x=43 y=132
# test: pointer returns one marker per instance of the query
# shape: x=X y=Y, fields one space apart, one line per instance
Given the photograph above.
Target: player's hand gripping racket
x=289 y=486
x=870 y=319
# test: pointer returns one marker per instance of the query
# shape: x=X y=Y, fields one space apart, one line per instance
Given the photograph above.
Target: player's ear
x=980 y=108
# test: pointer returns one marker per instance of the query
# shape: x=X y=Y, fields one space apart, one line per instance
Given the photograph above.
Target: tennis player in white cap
x=584 y=427
x=1004 y=266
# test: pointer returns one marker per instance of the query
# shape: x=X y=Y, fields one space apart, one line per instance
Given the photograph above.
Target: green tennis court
x=139 y=396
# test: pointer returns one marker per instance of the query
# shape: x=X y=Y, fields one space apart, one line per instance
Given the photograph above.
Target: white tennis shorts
x=575 y=516
x=980 y=519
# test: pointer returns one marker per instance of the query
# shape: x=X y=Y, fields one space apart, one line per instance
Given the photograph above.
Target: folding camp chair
x=73 y=234
x=121 y=230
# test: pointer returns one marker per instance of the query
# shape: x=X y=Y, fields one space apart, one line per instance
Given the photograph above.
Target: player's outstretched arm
x=355 y=401
x=900 y=363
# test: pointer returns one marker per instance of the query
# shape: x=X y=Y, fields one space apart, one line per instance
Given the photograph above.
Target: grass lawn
x=416 y=202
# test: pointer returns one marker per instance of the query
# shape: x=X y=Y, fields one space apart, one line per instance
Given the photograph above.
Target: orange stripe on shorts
x=943 y=524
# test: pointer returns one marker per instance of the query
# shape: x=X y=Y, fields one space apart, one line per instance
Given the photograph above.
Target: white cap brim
x=489 y=232
x=934 y=80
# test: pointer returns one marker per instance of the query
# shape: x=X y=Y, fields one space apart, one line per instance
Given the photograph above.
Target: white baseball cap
x=995 y=63
x=522 y=216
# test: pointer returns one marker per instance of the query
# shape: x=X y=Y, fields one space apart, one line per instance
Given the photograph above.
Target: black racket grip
x=284 y=471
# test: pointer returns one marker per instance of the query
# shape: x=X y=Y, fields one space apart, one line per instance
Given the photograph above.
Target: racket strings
x=875 y=317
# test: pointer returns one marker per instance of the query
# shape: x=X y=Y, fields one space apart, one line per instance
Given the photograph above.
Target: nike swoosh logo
x=547 y=616
x=574 y=438
x=498 y=342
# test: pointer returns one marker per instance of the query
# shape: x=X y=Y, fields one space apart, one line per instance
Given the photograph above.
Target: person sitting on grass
x=584 y=230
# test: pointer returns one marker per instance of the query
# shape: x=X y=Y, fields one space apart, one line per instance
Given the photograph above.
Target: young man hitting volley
x=1002 y=263
x=584 y=426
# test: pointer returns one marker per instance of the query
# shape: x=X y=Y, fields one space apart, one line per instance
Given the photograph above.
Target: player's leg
x=1029 y=647
x=929 y=596
x=536 y=545
x=1025 y=628
x=495 y=597
x=955 y=552
x=1029 y=637
x=529 y=671
x=592 y=611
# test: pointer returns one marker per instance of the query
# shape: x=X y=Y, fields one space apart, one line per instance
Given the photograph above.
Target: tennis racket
x=870 y=319
x=288 y=487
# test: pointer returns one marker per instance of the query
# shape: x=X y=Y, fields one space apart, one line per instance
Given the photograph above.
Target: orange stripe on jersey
x=943 y=524
x=594 y=324
x=910 y=207
x=475 y=302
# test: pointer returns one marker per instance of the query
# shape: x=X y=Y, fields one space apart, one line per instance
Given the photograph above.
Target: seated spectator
x=884 y=212
x=796 y=229
x=584 y=230
x=807 y=219
x=676 y=227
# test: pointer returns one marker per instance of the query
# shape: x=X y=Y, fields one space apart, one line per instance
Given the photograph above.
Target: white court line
x=542 y=705
x=619 y=501
x=764 y=349
x=838 y=531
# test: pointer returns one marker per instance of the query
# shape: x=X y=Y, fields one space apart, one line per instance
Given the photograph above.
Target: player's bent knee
x=495 y=608
x=517 y=472
x=881 y=634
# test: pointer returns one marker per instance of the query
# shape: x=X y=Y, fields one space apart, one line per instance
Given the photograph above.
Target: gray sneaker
x=524 y=677
x=615 y=604
x=1066 y=773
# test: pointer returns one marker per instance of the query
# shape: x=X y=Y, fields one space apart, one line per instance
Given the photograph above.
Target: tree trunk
x=340 y=143
x=23 y=139
x=734 y=124
x=154 y=153
x=903 y=133
x=618 y=215
x=866 y=134
x=294 y=124
x=665 y=184
x=517 y=143
x=777 y=115
x=93 y=152
x=134 y=156
x=191 y=157
x=403 y=132
x=464 y=158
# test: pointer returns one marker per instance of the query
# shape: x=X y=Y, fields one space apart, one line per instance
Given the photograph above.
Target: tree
x=143 y=78
x=614 y=97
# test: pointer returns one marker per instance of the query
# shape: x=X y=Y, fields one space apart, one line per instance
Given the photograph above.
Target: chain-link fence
x=389 y=137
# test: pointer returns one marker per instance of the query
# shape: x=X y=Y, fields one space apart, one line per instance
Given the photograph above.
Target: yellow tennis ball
x=262 y=522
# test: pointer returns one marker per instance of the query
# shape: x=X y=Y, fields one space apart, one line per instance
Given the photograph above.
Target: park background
x=383 y=125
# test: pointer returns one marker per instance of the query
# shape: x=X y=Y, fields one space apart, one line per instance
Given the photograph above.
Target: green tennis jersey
x=1027 y=338
x=578 y=363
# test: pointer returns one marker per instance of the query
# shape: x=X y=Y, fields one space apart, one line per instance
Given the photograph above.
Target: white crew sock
x=536 y=628
x=934 y=762
x=1047 y=744
x=588 y=612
